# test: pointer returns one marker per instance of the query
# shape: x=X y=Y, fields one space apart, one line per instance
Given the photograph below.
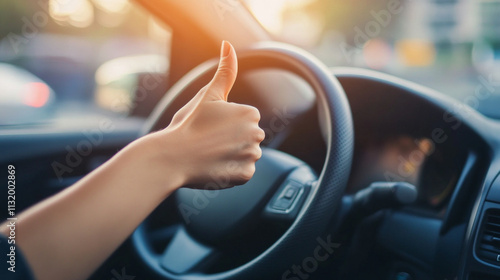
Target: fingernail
x=225 y=49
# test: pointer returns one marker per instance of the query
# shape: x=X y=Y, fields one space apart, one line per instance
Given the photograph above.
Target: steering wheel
x=283 y=188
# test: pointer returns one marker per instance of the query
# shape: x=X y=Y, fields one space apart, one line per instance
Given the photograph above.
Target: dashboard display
x=404 y=158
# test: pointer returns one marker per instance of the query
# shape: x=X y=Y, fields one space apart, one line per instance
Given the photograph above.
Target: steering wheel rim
x=322 y=203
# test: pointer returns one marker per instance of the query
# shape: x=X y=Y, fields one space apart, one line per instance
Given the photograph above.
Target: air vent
x=488 y=245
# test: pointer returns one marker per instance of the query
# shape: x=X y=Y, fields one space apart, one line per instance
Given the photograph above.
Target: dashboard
x=417 y=161
x=398 y=145
x=414 y=134
x=403 y=133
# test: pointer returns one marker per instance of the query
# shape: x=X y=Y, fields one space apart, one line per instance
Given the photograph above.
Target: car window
x=450 y=46
x=60 y=57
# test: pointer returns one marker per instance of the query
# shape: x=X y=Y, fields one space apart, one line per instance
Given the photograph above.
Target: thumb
x=221 y=84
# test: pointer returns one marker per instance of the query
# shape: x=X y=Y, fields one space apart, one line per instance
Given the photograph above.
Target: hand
x=210 y=139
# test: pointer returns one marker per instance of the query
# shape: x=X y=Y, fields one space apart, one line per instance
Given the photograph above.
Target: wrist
x=155 y=167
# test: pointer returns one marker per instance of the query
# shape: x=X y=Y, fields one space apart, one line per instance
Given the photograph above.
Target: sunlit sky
x=80 y=13
x=270 y=13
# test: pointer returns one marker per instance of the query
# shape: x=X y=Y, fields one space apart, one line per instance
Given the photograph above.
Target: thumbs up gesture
x=210 y=139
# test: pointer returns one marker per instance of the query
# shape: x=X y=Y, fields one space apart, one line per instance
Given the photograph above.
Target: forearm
x=70 y=234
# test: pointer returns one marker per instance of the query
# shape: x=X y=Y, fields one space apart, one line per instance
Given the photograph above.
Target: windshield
x=451 y=46
x=63 y=59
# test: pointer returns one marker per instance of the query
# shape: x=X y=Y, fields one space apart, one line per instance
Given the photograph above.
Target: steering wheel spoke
x=185 y=254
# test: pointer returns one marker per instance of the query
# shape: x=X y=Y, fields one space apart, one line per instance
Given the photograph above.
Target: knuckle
x=258 y=153
x=260 y=134
x=247 y=172
x=225 y=70
x=254 y=112
x=251 y=111
x=253 y=153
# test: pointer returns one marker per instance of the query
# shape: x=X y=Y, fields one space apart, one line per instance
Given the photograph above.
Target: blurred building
x=444 y=22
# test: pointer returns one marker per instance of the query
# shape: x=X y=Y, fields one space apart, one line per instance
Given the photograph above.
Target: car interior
x=365 y=173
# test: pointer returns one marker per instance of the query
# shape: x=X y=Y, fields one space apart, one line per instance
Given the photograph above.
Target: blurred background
x=58 y=57
x=449 y=45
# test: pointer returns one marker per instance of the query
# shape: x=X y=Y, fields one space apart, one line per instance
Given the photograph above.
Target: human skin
x=70 y=234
